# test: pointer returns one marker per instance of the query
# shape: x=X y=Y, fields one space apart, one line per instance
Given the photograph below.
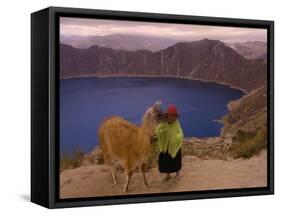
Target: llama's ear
x=157 y=105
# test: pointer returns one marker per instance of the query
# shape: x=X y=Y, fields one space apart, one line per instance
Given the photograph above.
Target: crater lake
x=85 y=102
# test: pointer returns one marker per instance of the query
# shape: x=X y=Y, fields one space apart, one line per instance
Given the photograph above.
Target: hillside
x=248 y=113
x=208 y=60
x=250 y=49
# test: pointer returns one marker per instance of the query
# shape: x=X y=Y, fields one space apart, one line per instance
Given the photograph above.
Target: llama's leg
x=110 y=164
x=113 y=173
x=142 y=167
x=128 y=178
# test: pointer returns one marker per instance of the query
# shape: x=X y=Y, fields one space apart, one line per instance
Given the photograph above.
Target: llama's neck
x=147 y=127
x=144 y=140
x=146 y=131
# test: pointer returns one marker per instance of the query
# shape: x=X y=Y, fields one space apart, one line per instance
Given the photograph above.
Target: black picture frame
x=44 y=106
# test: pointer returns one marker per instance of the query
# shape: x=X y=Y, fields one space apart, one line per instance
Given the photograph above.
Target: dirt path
x=196 y=174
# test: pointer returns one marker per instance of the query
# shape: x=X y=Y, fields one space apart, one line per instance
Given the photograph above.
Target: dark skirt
x=167 y=164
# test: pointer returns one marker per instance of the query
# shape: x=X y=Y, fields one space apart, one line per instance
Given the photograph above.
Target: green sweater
x=169 y=137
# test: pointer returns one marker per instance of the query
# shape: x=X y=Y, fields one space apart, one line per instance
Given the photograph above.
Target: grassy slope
x=246 y=123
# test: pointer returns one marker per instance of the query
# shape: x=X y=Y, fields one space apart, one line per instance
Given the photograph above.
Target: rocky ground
x=197 y=174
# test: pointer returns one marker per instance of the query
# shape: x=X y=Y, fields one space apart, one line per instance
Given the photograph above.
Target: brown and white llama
x=127 y=144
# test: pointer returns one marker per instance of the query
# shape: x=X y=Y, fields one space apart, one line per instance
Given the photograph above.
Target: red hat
x=172 y=109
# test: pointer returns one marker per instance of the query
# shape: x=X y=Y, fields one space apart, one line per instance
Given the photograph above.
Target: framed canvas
x=139 y=107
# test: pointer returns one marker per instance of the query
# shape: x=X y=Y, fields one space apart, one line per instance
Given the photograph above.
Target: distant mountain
x=119 y=41
x=250 y=49
x=209 y=60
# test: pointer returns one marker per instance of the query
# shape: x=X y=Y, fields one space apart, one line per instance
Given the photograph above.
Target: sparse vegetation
x=71 y=160
x=246 y=144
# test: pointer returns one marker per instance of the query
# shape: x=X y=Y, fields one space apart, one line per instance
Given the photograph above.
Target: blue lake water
x=85 y=102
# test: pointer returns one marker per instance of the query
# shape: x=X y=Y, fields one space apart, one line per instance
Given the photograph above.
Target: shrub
x=248 y=144
x=71 y=160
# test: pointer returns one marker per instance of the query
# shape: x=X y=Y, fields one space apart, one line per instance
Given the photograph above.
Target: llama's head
x=152 y=117
x=157 y=113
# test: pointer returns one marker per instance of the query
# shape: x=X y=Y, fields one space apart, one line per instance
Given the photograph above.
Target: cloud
x=101 y=27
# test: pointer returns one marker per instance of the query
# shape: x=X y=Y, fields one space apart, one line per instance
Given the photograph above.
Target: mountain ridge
x=119 y=41
x=208 y=60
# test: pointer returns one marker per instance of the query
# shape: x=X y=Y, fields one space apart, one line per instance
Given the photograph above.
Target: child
x=169 y=141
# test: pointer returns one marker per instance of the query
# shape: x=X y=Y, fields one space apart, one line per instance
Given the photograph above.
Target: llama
x=127 y=144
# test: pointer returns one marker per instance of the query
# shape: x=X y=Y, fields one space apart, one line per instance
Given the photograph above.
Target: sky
x=102 y=27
